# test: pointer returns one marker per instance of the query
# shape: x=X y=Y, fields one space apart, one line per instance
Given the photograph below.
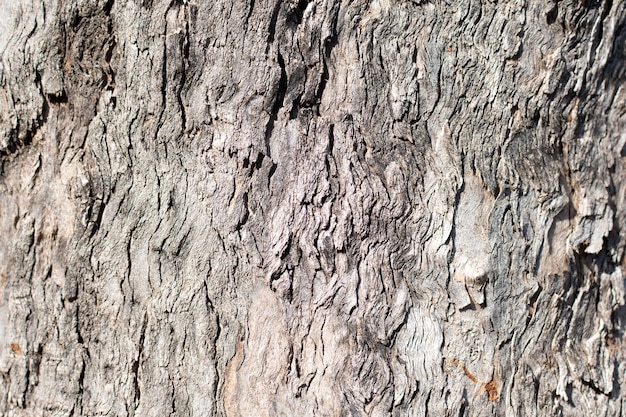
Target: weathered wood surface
x=312 y=208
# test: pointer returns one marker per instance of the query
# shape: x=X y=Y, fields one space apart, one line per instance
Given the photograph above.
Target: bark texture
x=312 y=208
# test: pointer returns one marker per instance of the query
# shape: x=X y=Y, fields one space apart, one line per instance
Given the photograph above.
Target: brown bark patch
x=15 y=348
x=230 y=382
x=492 y=390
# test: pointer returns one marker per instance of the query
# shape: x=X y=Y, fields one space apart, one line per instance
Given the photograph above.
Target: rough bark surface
x=312 y=208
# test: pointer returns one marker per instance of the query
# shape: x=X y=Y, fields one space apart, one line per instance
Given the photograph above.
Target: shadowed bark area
x=312 y=208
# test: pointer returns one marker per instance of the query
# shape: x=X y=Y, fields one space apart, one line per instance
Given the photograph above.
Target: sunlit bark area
x=312 y=208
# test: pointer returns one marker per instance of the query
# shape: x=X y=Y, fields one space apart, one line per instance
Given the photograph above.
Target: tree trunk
x=312 y=208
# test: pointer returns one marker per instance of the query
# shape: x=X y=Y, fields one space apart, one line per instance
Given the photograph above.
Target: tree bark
x=312 y=208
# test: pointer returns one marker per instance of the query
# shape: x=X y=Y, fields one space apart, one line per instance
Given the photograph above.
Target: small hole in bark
x=295 y=15
x=552 y=15
x=108 y=6
x=57 y=98
x=259 y=161
x=295 y=108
